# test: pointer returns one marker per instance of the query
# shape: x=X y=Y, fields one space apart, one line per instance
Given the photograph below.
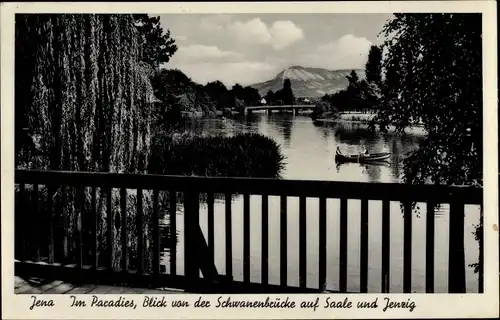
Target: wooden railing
x=199 y=253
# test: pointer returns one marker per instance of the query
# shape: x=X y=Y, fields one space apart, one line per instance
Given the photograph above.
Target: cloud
x=215 y=22
x=201 y=53
x=205 y=63
x=180 y=38
x=279 y=35
x=347 y=52
x=284 y=33
x=252 y=31
x=229 y=73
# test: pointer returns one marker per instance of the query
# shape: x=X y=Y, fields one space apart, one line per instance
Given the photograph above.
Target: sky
x=252 y=48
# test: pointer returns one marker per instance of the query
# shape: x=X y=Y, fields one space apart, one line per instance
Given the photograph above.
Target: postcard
x=249 y=160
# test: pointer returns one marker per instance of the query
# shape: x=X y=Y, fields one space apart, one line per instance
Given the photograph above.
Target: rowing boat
x=363 y=158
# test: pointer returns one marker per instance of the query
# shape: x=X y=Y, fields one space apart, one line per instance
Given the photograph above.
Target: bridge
x=76 y=240
x=269 y=109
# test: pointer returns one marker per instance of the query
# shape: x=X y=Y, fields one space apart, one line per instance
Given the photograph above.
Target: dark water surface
x=309 y=149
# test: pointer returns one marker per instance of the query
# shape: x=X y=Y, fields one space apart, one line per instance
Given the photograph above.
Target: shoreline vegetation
x=241 y=155
x=368 y=119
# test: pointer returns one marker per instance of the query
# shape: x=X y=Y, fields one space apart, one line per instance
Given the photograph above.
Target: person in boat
x=365 y=152
x=338 y=152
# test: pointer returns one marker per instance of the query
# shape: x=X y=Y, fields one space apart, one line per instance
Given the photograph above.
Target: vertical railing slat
x=124 y=233
x=65 y=222
x=191 y=228
x=265 y=239
x=18 y=220
x=94 y=226
x=283 y=241
x=229 y=236
x=343 y=246
x=109 y=223
x=429 y=248
x=302 y=243
x=173 y=232
x=140 y=232
x=211 y=224
x=364 y=247
x=22 y=212
x=481 y=253
x=50 y=193
x=35 y=243
x=79 y=226
x=246 y=238
x=407 y=247
x=456 y=261
x=156 y=234
x=386 y=245
x=322 y=243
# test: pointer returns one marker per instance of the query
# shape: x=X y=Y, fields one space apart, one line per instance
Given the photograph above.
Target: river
x=309 y=149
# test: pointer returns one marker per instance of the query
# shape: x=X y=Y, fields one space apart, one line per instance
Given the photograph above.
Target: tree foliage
x=282 y=96
x=433 y=71
x=353 y=78
x=157 y=46
x=81 y=93
x=359 y=95
x=251 y=96
x=270 y=97
x=324 y=109
x=434 y=78
x=373 y=68
x=287 y=92
x=244 y=96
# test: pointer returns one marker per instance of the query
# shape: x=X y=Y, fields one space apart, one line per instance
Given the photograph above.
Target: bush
x=323 y=109
x=243 y=155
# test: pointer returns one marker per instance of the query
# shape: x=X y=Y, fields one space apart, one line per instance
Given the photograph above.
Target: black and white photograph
x=232 y=153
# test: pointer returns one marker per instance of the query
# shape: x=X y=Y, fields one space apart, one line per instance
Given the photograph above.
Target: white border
x=436 y=305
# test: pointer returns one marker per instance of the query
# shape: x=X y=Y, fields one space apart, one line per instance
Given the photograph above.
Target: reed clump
x=242 y=155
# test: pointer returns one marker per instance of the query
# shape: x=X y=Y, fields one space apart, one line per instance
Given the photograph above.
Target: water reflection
x=309 y=147
x=285 y=126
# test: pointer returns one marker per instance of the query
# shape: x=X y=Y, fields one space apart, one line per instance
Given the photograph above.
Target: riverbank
x=346 y=116
x=417 y=129
x=201 y=114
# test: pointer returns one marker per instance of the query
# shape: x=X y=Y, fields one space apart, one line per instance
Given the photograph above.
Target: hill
x=308 y=82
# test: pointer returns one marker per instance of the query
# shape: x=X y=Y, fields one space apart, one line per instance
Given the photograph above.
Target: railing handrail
x=258 y=186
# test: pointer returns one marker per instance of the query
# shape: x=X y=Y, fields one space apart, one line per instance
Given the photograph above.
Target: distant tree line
x=283 y=96
x=178 y=94
x=360 y=94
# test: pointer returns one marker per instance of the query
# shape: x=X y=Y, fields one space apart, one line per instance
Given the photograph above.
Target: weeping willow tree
x=81 y=93
x=83 y=102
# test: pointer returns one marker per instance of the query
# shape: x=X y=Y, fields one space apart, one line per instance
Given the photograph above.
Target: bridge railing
x=34 y=255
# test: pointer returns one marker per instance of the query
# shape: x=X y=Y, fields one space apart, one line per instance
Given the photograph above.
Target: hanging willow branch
x=83 y=103
x=86 y=90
